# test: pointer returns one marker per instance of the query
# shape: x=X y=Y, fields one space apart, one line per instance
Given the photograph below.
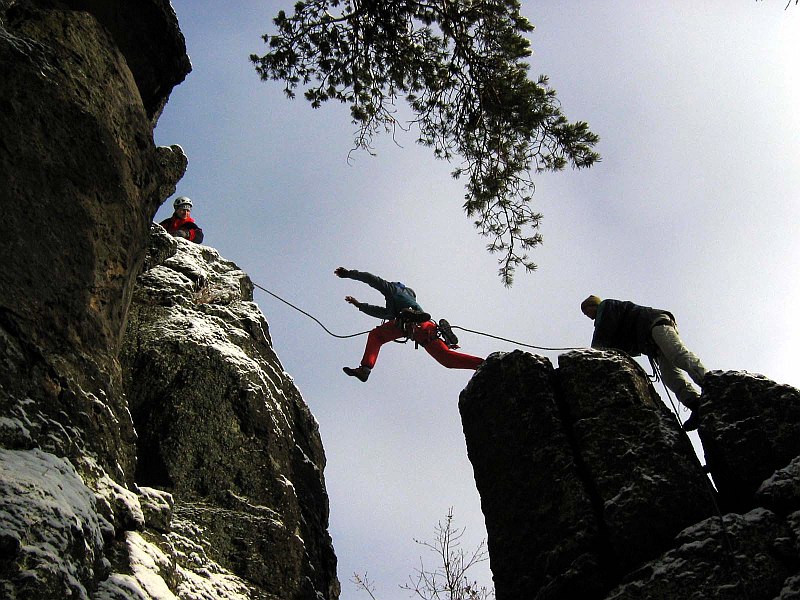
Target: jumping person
x=181 y=224
x=638 y=330
x=404 y=318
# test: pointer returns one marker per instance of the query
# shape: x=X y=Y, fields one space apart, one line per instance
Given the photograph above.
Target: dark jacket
x=397 y=295
x=626 y=326
x=187 y=226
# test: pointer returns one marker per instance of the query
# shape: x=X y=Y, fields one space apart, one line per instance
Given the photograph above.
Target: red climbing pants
x=425 y=335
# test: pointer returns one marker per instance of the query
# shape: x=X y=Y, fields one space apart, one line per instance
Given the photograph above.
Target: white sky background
x=694 y=208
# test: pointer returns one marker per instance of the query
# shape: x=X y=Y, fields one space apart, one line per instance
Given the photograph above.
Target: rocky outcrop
x=81 y=181
x=147 y=34
x=750 y=428
x=222 y=426
x=83 y=83
x=590 y=489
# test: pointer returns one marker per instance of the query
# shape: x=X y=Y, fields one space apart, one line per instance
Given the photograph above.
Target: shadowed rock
x=591 y=490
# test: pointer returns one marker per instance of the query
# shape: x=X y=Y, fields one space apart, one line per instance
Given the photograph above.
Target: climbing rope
x=730 y=554
x=728 y=545
x=496 y=337
x=310 y=316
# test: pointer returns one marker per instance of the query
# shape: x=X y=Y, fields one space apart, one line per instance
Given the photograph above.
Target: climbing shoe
x=360 y=373
x=693 y=422
x=447 y=334
x=692 y=402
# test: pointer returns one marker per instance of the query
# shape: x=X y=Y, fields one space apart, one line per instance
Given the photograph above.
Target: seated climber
x=404 y=319
x=638 y=330
x=181 y=224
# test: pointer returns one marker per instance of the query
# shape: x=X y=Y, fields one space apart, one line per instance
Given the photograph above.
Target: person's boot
x=360 y=373
x=693 y=404
x=447 y=334
x=693 y=422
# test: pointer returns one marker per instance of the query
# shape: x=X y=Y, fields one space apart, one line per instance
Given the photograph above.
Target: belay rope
x=727 y=544
x=497 y=337
x=329 y=332
x=310 y=316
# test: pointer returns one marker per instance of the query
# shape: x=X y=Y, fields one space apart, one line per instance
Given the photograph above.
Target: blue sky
x=693 y=208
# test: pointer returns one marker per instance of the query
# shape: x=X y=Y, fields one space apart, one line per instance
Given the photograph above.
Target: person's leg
x=673 y=360
x=378 y=337
x=673 y=349
x=425 y=334
x=676 y=381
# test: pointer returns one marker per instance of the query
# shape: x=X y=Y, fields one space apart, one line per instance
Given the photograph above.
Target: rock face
x=81 y=181
x=222 y=426
x=591 y=490
x=81 y=512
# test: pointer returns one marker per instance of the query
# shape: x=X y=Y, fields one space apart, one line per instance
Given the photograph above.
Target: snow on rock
x=221 y=426
x=148 y=566
x=88 y=498
x=156 y=507
x=49 y=523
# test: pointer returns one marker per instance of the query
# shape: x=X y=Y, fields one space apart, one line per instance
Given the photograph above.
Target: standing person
x=638 y=330
x=181 y=224
x=405 y=318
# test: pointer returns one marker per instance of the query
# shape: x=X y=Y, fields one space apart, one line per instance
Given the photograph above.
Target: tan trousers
x=675 y=362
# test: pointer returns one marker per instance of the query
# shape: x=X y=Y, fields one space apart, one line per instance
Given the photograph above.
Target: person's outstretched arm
x=379 y=312
x=373 y=281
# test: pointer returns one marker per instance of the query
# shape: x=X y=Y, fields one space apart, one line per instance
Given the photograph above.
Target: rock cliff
x=591 y=490
x=222 y=426
x=118 y=480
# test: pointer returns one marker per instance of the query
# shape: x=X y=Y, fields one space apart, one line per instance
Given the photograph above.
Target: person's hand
x=182 y=233
x=351 y=300
x=340 y=271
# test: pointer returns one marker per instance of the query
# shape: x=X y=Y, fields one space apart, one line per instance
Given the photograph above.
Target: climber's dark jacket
x=626 y=326
x=397 y=295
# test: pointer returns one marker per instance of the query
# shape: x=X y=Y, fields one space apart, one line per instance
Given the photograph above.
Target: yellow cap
x=590 y=301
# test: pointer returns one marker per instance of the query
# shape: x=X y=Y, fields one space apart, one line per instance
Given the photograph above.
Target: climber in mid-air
x=181 y=224
x=404 y=319
x=636 y=329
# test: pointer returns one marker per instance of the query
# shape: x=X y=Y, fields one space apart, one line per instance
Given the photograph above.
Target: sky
x=693 y=208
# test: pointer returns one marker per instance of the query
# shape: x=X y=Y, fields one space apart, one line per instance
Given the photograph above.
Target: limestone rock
x=639 y=467
x=81 y=180
x=737 y=556
x=147 y=34
x=540 y=519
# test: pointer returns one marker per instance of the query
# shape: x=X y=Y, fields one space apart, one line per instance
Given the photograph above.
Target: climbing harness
x=407 y=322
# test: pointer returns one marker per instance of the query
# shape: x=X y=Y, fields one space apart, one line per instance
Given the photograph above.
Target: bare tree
x=448 y=580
